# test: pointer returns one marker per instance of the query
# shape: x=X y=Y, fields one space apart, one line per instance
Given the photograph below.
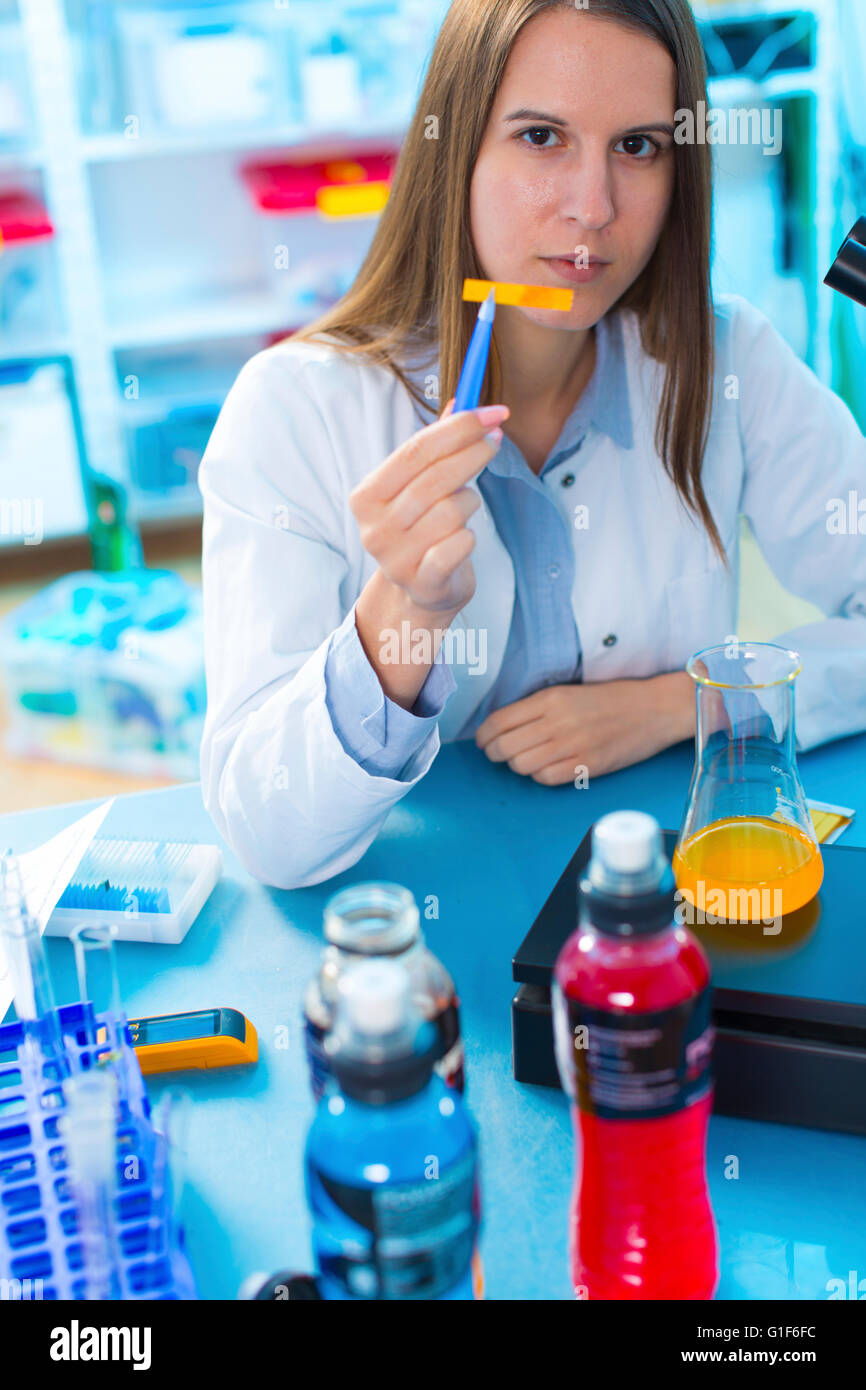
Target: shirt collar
x=605 y=401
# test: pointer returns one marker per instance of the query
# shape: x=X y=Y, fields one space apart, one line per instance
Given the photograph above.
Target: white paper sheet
x=45 y=872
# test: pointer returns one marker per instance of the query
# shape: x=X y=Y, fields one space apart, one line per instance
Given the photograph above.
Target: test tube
x=89 y=1131
x=96 y=967
x=22 y=942
x=172 y=1120
x=171 y=1123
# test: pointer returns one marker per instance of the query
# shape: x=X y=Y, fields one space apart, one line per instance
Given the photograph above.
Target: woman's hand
x=554 y=734
x=412 y=510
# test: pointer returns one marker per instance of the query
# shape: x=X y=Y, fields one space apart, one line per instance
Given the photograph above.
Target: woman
x=534 y=574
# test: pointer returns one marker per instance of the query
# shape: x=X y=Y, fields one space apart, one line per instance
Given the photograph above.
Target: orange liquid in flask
x=735 y=856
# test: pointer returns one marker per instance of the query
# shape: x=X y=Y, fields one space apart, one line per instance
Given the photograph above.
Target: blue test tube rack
x=40 y=1252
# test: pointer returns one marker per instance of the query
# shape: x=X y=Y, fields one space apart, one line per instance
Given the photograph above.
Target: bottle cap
x=628 y=888
x=381 y=1048
x=627 y=842
x=376 y=998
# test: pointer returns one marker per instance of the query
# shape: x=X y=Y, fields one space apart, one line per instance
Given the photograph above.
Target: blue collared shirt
x=543 y=645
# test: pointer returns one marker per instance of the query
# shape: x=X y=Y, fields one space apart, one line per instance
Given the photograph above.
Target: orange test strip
x=526 y=296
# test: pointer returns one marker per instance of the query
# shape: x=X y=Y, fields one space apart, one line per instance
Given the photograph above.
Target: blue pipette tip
x=475 y=362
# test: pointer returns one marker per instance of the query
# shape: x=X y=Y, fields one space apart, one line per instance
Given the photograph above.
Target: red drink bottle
x=631 y=1009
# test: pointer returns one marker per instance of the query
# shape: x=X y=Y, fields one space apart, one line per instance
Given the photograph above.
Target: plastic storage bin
x=296 y=186
x=164 y=457
x=41 y=488
x=108 y=670
x=15 y=111
x=169 y=422
x=316 y=222
x=28 y=280
x=198 y=68
x=360 y=63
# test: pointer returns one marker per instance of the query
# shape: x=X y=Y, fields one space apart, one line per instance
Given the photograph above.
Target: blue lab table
x=482 y=847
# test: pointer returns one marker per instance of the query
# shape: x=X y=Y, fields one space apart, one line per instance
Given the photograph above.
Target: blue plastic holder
x=39 y=1227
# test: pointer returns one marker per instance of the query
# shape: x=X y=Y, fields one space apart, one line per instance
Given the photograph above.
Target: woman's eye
x=542 y=130
x=640 y=140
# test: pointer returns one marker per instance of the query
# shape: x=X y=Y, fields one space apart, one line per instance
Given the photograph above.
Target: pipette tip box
x=152 y=890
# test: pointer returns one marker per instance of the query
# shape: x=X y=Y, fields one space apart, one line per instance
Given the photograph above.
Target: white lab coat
x=283 y=565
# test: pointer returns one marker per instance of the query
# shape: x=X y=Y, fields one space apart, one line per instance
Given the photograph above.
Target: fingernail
x=492 y=414
x=493 y=437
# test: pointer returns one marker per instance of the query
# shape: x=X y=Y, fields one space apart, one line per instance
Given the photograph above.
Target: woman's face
x=558 y=177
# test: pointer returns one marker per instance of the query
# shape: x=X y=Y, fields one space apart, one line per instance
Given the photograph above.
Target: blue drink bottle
x=391 y=1159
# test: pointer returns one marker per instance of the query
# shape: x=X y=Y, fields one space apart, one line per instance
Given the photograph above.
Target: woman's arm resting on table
x=554 y=734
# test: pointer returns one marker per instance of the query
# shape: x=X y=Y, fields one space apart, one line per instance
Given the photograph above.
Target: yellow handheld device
x=201 y=1040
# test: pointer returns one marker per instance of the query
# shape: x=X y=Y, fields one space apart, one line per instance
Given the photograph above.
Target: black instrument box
x=789 y=1002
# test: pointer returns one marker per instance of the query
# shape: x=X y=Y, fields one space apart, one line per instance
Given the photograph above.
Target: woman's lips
x=565 y=266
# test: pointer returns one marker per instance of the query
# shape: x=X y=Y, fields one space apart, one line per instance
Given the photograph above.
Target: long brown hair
x=422 y=249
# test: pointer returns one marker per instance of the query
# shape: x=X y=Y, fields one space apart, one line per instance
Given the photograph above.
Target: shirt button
x=553 y=571
x=610 y=639
x=568 y=480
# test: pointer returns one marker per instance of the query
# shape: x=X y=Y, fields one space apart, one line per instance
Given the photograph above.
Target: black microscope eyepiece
x=848 y=272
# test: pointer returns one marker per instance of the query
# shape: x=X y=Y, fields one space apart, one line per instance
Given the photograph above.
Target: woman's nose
x=586 y=195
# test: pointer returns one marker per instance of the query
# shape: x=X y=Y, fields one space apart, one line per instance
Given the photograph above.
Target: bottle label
x=450 y=1062
x=317 y=1059
x=399 y=1241
x=450 y=1068
x=634 y=1066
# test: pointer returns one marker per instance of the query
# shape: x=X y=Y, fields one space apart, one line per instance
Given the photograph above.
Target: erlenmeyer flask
x=747 y=849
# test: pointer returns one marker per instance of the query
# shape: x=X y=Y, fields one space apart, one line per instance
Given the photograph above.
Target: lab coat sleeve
x=281 y=788
x=805 y=459
x=378 y=733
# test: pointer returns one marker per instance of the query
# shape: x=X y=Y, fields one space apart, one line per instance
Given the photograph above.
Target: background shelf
x=158 y=245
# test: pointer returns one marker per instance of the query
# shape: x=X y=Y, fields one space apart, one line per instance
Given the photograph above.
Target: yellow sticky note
x=525 y=296
x=352 y=199
x=825 y=823
x=829 y=821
